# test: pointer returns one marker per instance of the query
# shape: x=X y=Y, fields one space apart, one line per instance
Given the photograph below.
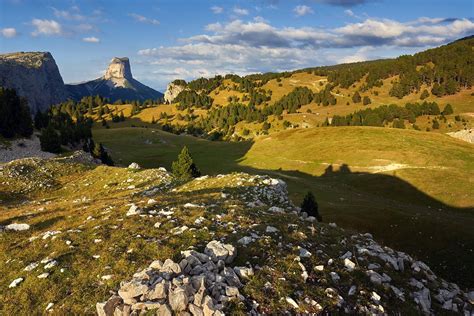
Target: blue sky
x=166 y=40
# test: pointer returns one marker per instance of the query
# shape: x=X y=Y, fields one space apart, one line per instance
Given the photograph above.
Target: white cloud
x=217 y=10
x=8 y=32
x=248 y=47
x=143 y=19
x=240 y=11
x=345 y=3
x=70 y=15
x=91 y=39
x=301 y=10
x=46 y=27
x=349 y=12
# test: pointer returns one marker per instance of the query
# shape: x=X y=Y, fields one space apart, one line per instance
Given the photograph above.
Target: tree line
x=384 y=114
x=15 y=116
x=445 y=69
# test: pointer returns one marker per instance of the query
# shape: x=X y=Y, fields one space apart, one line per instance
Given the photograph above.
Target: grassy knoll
x=411 y=189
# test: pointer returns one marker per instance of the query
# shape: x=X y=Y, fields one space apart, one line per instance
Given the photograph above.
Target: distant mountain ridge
x=36 y=77
x=116 y=84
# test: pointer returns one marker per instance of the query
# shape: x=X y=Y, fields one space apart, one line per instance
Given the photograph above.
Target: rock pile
x=200 y=284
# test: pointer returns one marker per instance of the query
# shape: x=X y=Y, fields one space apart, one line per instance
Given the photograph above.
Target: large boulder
x=219 y=251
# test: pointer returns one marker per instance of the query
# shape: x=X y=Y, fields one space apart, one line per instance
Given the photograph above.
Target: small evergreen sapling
x=184 y=168
x=310 y=206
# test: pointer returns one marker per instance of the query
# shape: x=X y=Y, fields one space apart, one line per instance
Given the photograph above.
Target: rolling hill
x=391 y=182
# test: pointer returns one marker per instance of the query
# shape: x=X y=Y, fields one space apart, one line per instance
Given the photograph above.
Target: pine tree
x=50 y=140
x=448 y=109
x=424 y=94
x=310 y=206
x=99 y=152
x=367 y=100
x=184 y=168
x=356 y=97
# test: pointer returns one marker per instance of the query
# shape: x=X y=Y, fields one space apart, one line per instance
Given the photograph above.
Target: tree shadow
x=397 y=213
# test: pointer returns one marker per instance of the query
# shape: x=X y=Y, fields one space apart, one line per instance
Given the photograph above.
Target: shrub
x=310 y=206
x=398 y=123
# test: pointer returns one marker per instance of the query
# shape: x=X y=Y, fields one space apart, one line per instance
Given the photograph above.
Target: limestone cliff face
x=117 y=83
x=119 y=68
x=173 y=89
x=35 y=76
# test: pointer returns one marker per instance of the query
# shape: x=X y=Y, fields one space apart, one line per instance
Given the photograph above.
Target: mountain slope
x=117 y=84
x=394 y=185
x=235 y=107
x=35 y=76
x=100 y=225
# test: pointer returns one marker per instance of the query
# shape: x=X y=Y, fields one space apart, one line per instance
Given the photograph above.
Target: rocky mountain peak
x=116 y=84
x=119 y=68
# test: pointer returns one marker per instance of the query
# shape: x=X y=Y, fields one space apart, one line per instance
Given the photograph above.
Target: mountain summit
x=117 y=83
x=119 y=71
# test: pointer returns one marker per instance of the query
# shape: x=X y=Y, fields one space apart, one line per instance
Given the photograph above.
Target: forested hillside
x=429 y=91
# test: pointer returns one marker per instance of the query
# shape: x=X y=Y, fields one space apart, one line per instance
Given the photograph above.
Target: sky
x=167 y=40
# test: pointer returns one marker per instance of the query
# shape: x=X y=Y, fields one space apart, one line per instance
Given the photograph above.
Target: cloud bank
x=257 y=46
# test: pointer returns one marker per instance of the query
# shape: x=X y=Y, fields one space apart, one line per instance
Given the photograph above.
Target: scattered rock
x=133 y=210
x=17 y=227
x=15 y=282
x=304 y=253
x=292 y=302
x=134 y=166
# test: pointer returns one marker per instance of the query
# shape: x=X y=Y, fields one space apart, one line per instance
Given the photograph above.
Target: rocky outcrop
x=466 y=135
x=35 y=76
x=117 y=83
x=173 y=89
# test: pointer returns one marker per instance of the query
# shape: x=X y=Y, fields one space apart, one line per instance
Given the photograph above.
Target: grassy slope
x=393 y=205
x=88 y=208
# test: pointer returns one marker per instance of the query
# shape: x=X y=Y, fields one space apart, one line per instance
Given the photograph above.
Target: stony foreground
x=86 y=239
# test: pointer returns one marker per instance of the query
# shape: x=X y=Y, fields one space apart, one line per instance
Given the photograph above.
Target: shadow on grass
x=9 y=199
x=396 y=213
x=393 y=210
